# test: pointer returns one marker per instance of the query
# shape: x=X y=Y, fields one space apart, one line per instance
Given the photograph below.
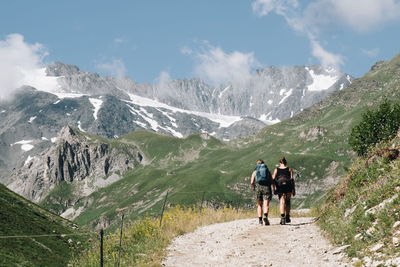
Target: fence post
x=162 y=211
x=202 y=199
x=120 y=239
x=101 y=247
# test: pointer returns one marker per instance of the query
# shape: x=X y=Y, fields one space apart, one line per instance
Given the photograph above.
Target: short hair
x=260 y=161
x=283 y=161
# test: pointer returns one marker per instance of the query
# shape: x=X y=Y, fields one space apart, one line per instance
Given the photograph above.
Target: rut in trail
x=246 y=243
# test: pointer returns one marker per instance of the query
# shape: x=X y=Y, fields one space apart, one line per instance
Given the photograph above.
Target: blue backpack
x=263 y=176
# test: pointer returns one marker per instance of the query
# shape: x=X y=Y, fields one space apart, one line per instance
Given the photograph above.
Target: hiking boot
x=288 y=218
x=266 y=222
x=283 y=222
x=260 y=222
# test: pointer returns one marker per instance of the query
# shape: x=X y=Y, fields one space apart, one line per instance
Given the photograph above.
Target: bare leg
x=288 y=196
x=282 y=204
x=259 y=208
x=266 y=206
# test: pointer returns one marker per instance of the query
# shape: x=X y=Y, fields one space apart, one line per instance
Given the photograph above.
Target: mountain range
x=62 y=94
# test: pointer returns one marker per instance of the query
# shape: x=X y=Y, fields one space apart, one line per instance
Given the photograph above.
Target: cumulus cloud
x=311 y=20
x=20 y=64
x=219 y=67
x=115 y=67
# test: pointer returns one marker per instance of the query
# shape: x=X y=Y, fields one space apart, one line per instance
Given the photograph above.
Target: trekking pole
x=202 y=199
x=163 y=207
x=120 y=239
x=101 y=247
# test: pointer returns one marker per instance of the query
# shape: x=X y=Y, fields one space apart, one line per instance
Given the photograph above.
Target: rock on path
x=246 y=243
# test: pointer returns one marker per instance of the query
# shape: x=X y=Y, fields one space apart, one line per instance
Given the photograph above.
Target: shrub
x=375 y=127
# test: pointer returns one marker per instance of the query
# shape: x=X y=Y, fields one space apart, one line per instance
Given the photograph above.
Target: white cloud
x=163 y=79
x=263 y=7
x=326 y=58
x=186 y=50
x=19 y=61
x=357 y=15
x=373 y=53
x=114 y=68
x=218 y=67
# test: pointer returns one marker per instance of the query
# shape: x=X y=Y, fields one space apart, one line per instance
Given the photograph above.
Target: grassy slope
x=363 y=209
x=195 y=165
x=19 y=216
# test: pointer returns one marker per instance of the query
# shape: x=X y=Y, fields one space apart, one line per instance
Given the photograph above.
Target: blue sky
x=214 y=40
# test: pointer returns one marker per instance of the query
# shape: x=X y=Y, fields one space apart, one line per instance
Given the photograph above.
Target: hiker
x=283 y=185
x=261 y=183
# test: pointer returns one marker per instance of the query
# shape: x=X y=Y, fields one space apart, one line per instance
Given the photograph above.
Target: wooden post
x=120 y=239
x=162 y=211
x=101 y=247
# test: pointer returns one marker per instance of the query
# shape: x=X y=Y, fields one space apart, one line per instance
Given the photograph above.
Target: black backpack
x=283 y=182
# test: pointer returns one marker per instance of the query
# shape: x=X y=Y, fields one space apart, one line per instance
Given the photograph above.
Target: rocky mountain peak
x=60 y=69
x=69 y=134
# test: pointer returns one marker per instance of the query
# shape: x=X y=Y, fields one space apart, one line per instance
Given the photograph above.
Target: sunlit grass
x=144 y=241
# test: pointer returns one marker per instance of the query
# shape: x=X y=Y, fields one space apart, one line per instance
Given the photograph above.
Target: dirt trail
x=246 y=243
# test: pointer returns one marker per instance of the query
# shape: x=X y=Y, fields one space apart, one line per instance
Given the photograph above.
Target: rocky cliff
x=77 y=159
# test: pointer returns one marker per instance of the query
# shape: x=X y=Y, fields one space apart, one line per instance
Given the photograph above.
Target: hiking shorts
x=263 y=192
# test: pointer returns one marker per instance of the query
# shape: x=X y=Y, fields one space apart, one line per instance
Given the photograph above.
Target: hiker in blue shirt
x=261 y=183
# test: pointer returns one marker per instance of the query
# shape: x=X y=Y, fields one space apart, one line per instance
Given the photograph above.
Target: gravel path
x=246 y=243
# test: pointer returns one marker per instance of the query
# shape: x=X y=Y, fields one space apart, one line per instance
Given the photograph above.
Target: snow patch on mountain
x=65 y=95
x=28 y=160
x=25 y=144
x=320 y=81
x=80 y=126
x=149 y=118
x=286 y=95
x=96 y=103
x=223 y=91
x=267 y=119
x=223 y=120
x=31 y=119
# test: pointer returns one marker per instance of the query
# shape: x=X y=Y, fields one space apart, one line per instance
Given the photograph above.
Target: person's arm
x=273 y=182
x=253 y=175
x=294 y=186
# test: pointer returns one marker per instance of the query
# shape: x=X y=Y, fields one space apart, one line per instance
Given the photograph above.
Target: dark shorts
x=263 y=192
x=284 y=190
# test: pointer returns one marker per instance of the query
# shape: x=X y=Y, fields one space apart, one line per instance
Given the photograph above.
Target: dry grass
x=144 y=242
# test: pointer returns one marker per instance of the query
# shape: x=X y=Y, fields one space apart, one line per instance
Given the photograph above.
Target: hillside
x=20 y=217
x=363 y=212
